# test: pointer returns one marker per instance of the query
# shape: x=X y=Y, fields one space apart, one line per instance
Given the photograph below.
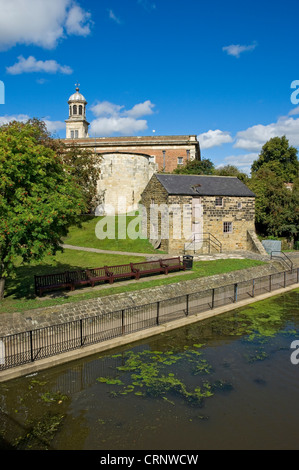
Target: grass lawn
x=19 y=291
x=86 y=237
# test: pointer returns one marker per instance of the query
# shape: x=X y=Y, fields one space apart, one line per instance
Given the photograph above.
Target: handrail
x=286 y=259
x=210 y=238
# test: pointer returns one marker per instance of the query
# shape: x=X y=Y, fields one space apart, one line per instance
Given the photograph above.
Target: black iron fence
x=26 y=347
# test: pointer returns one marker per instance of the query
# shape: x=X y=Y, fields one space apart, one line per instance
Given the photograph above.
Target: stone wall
x=154 y=193
x=123 y=177
x=242 y=218
x=184 y=218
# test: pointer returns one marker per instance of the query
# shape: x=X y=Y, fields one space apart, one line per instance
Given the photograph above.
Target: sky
x=226 y=72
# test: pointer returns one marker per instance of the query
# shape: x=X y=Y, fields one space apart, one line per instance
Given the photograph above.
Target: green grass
x=19 y=291
x=85 y=236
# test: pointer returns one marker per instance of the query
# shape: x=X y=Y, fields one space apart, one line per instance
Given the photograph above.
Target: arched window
x=75 y=109
x=80 y=109
x=70 y=110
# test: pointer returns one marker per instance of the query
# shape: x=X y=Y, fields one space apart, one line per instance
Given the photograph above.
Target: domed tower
x=76 y=124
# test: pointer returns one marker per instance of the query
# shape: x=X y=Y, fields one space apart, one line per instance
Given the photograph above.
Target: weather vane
x=77 y=86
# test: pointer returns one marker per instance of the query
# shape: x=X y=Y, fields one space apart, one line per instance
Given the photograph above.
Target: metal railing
x=281 y=256
x=30 y=346
x=202 y=238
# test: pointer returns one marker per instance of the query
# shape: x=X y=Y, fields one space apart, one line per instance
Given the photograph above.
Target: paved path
x=204 y=257
x=96 y=250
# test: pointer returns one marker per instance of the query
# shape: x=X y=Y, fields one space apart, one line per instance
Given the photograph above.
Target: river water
x=223 y=383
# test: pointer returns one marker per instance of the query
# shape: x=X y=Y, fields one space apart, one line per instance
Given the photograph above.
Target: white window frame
x=217 y=199
x=180 y=160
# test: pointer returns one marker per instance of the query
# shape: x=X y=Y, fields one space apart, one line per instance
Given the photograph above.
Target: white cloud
x=106 y=108
x=253 y=138
x=141 y=109
x=242 y=162
x=294 y=111
x=52 y=126
x=113 y=17
x=40 y=22
x=214 y=138
x=113 y=118
x=30 y=65
x=10 y=118
x=236 y=49
x=78 y=21
x=122 y=125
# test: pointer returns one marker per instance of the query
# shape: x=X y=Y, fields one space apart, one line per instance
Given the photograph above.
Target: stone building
x=202 y=214
x=127 y=163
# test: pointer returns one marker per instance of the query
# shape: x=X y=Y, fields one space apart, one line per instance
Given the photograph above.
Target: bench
x=149 y=267
x=52 y=282
x=98 y=275
x=121 y=271
x=172 y=264
x=81 y=277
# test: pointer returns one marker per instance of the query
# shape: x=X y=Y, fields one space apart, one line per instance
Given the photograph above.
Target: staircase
x=203 y=243
x=283 y=258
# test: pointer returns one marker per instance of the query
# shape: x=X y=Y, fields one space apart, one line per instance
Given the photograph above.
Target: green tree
x=39 y=199
x=196 y=167
x=231 y=170
x=277 y=207
x=83 y=165
x=280 y=158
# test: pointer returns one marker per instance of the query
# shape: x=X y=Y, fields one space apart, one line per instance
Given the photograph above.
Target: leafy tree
x=196 y=167
x=39 y=199
x=231 y=170
x=277 y=207
x=280 y=158
x=83 y=166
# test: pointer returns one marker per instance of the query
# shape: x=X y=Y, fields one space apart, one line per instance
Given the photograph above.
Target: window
x=75 y=109
x=219 y=201
x=180 y=161
x=227 y=227
x=152 y=159
x=70 y=110
x=76 y=134
x=188 y=155
x=80 y=109
x=72 y=134
x=239 y=205
x=152 y=202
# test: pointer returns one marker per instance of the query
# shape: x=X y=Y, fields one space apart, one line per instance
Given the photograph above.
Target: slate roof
x=194 y=185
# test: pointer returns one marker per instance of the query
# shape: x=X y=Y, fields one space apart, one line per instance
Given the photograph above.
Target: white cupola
x=76 y=124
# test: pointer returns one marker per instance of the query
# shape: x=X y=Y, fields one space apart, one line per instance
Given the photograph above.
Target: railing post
x=31 y=345
x=253 y=287
x=158 y=313
x=270 y=283
x=284 y=279
x=235 y=293
x=122 y=322
x=187 y=305
x=81 y=332
x=213 y=298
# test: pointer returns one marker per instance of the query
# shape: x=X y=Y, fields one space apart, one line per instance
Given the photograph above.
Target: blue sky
x=220 y=70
